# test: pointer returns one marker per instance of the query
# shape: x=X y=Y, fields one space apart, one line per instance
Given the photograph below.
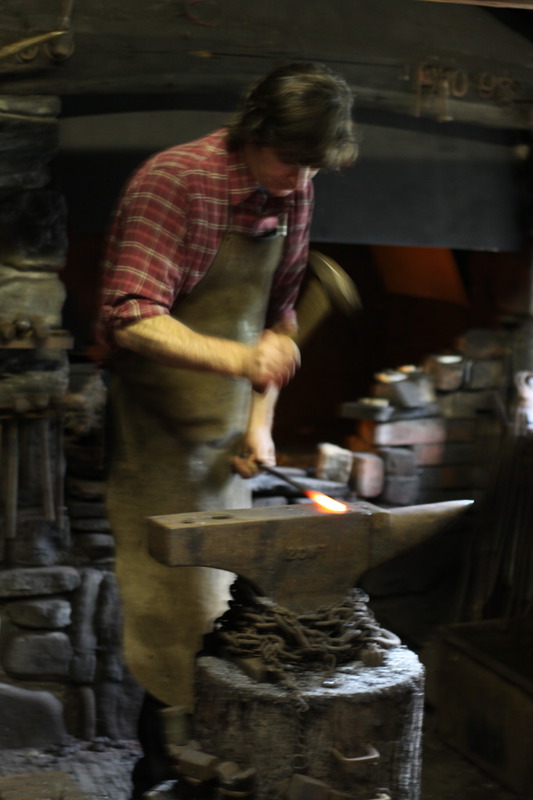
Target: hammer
x=327 y=288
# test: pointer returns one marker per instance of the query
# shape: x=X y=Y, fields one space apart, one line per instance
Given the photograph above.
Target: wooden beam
x=525 y=4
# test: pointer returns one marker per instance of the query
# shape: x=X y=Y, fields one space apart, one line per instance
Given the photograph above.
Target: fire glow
x=326 y=503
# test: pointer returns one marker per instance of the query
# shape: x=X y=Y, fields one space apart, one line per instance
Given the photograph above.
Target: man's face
x=273 y=174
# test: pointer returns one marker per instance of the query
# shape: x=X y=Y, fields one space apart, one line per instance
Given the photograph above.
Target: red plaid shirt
x=169 y=224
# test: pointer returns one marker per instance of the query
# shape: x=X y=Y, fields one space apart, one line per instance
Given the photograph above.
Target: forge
x=347 y=728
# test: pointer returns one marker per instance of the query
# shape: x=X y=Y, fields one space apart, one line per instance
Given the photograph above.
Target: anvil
x=297 y=555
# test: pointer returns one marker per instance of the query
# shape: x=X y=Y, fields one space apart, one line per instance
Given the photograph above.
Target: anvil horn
x=297 y=555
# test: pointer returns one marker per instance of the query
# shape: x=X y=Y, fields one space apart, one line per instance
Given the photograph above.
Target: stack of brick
x=432 y=433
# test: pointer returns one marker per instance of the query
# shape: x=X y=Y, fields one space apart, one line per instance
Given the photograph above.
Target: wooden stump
x=373 y=714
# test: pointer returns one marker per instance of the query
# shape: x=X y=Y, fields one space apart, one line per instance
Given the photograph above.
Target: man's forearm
x=262 y=408
x=272 y=359
x=168 y=341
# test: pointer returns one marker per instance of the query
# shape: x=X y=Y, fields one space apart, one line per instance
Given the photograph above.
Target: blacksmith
x=204 y=261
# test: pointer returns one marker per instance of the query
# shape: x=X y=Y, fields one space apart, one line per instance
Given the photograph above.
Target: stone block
x=29 y=718
x=403 y=432
x=376 y=408
x=334 y=463
x=37 y=655
x=40 y=613
x=41 y=580
x=488 y=373
x=399 y=491
x=33 y=293
x=407 y=387
x=368 y=474
x=399 y=461
x=466 y=405
x=447 y=371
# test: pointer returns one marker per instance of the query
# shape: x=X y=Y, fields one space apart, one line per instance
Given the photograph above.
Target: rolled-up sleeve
x=141 y=274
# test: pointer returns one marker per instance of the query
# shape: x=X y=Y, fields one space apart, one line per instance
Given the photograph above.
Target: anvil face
x=297 y=555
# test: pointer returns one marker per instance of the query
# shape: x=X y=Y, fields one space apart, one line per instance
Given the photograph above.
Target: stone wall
x=432 y=432
x=61 y=670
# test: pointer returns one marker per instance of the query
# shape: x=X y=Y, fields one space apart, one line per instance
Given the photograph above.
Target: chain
x=285 y=643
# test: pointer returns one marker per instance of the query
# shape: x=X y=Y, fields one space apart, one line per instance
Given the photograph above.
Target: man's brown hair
x=302 y=110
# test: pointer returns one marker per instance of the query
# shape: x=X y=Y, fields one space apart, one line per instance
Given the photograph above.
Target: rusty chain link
x=285 y=643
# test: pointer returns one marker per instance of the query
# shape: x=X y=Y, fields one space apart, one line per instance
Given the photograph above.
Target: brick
x=403 y=432
x=399 y=461
x=368 y=474
x=399 y=491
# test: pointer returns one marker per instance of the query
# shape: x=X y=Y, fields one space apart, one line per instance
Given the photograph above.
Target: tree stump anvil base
x=360 y=733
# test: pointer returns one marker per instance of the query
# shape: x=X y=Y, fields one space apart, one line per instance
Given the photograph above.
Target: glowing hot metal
x=326 y=503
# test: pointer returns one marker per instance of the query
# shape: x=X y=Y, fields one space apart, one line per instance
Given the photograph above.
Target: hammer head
x=327 y=288
x=299 y=556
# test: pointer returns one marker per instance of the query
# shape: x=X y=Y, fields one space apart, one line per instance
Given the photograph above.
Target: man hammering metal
x=204 y=262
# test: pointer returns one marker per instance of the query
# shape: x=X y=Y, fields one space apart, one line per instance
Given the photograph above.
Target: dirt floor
x=101 y=771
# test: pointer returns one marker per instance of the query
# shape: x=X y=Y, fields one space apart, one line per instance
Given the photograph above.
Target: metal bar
x=278 y=474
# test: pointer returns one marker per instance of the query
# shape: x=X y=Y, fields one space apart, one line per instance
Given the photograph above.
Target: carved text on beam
x=442 y=83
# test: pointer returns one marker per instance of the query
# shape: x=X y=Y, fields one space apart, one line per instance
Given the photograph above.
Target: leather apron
x=174 y=432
